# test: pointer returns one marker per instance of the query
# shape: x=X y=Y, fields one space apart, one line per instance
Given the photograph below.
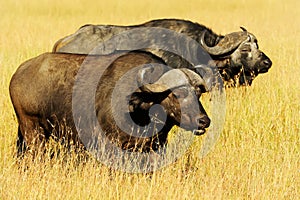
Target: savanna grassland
x=258 y=153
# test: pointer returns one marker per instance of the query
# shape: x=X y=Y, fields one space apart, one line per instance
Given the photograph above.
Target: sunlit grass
x=258 y=153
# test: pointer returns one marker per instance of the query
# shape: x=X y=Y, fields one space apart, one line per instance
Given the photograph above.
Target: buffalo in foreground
x=47 y=89
x=236 y=55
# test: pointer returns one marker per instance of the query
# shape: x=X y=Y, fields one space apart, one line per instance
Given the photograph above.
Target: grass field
x=258 y=153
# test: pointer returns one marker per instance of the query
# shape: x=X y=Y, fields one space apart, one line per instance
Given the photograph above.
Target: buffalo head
x=242 y=50
x=177 y=92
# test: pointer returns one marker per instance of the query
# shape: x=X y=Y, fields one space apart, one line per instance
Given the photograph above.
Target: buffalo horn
x=228 y=43
x=173 y=79
x=170 y=80
x=245 y=30
x=196 y=79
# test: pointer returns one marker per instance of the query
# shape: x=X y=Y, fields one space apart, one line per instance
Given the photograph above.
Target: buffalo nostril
x=203 y=122
x=267 y=63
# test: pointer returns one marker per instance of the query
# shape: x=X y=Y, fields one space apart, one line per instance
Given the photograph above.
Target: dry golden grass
x=258 y=153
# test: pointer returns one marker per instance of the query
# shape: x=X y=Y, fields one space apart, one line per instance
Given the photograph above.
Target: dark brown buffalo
x=42 y=93
x=236 y=54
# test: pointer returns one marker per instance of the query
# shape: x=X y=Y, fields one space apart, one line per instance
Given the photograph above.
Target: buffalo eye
x=200 y=89
x=245 y=48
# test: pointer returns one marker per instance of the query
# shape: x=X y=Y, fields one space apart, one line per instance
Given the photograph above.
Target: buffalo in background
x=236 y=54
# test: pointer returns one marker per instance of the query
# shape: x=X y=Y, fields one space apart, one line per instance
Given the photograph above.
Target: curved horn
x=228 y=43
x=150 y=73
x=196 y=79
x=170 y=80
x=245 y=30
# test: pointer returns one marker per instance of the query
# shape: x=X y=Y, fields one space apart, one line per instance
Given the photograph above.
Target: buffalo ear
x=145 y=99
x=139 y=101
x=211 y=78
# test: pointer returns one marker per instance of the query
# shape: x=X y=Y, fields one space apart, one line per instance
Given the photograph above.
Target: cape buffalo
x=236 y=55
x=51 y=92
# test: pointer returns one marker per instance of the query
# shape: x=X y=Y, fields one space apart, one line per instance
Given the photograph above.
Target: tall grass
x=258 y=153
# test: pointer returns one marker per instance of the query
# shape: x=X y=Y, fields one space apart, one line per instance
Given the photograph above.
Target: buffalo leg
x=21 y=145
x=32 y=135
